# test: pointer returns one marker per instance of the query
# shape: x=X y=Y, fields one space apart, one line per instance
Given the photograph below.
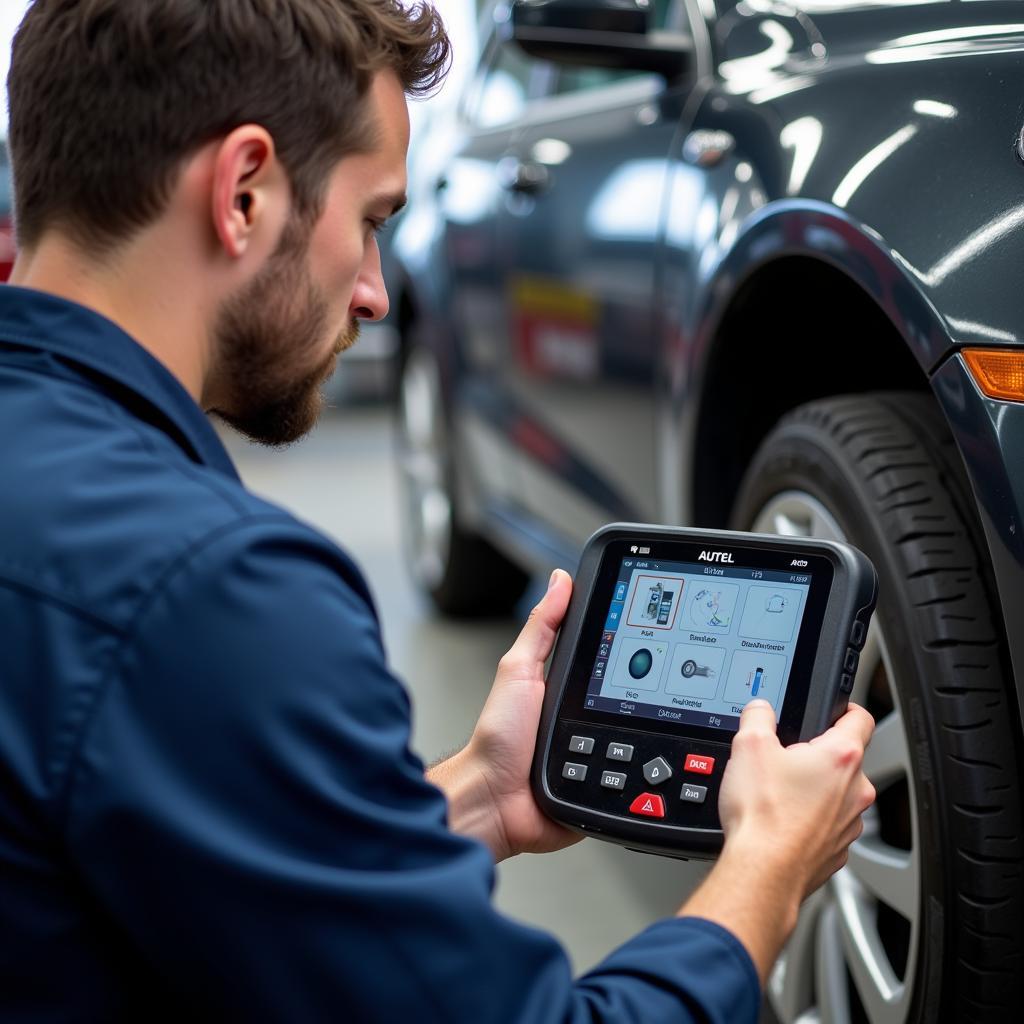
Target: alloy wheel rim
x=838 y=967
x=423 y=467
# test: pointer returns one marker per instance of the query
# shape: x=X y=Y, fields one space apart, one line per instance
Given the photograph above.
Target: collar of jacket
x=96 y=348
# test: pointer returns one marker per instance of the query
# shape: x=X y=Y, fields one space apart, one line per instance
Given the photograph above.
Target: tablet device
x=669 y=633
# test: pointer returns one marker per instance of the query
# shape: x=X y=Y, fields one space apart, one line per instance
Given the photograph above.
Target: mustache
x=347 y=338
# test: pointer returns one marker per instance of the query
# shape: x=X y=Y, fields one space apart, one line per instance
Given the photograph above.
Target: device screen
x=691 y=644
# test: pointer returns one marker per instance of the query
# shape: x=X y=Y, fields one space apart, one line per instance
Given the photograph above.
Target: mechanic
x=208 y=804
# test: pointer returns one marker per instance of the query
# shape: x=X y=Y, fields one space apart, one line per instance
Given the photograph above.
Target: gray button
x=694 y=794
x=613 y=780
x=619 y=752
x=657 y=771
x=581 y=745
x=576 y=772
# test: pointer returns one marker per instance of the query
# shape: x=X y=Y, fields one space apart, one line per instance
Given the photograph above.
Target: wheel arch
x=853 y=321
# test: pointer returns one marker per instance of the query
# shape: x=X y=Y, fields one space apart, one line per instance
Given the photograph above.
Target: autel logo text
x=714 y=556
x=801 y=563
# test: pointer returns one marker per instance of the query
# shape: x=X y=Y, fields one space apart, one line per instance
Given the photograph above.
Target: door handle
x=524 y=176
x=707 y=148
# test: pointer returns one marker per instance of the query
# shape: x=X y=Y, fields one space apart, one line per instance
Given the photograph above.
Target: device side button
x=575 y=772
x=857 y=634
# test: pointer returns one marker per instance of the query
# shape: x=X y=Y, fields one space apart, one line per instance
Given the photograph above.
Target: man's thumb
x=537 y=637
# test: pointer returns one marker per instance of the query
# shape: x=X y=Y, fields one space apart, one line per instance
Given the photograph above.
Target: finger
x=758 y=716
x=856 y=723
x=537 y=637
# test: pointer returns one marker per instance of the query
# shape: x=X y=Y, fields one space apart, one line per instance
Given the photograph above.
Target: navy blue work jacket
x=208 y=805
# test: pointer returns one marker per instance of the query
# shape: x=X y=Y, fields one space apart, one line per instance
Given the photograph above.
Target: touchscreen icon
x=695 y=671
x=755 y=674
x=639 y=664
x=711 y=606
x=771 y=613
x=655 y=601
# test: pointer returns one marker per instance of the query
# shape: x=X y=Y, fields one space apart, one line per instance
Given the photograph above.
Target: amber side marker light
x=999 y=372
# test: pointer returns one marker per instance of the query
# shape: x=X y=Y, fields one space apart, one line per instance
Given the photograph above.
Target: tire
x=689 y=668
x=931 y=898
x=461 y=572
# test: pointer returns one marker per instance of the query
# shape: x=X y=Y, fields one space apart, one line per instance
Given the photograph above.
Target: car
x=757 y=264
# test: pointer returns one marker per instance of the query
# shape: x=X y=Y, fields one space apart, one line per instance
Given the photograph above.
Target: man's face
x=277 y=338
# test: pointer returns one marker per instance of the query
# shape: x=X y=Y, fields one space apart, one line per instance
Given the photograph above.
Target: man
x=208 y=806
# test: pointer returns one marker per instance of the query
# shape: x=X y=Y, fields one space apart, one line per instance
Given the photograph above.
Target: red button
x=649 y=804
x=700 y=763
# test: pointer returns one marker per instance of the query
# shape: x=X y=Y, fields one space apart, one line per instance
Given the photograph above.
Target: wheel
x=926 y=921
x=689 y=667
x=460 y=571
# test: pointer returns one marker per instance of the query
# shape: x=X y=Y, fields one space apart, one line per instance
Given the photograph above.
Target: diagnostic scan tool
x=670 y=632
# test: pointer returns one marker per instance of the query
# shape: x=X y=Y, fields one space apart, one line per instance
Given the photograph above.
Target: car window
x=575 y=78
x=505 y=86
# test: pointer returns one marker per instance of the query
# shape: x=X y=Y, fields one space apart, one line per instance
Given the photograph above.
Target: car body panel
x=583 y=362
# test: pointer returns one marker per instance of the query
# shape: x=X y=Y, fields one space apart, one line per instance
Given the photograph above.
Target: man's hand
x=789 y=815
x=488 y=783
x=800 y=804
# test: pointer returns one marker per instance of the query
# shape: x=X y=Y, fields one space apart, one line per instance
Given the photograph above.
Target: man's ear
x=250 y=194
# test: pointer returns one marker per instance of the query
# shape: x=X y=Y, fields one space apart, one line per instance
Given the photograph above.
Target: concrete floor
x=342 y=479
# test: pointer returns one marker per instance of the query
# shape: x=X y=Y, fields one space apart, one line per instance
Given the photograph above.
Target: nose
x=370 y=297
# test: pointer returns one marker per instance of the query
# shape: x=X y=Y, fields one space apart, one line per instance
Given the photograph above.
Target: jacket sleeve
x=246 y=808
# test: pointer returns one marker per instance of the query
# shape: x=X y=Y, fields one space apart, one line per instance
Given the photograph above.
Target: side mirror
x=599 y=33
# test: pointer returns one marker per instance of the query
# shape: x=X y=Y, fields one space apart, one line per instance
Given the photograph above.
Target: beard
x=266 y=339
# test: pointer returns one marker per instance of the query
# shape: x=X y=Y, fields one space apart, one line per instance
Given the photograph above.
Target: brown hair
x=108 y=97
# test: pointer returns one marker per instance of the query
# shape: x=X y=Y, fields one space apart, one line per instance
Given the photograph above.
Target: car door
x=471 y=203
x=584 y=191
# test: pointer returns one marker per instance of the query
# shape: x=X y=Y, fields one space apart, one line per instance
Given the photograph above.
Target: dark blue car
x=761 y=265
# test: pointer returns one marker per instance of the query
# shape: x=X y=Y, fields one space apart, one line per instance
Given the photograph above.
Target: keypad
x=595 y=774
